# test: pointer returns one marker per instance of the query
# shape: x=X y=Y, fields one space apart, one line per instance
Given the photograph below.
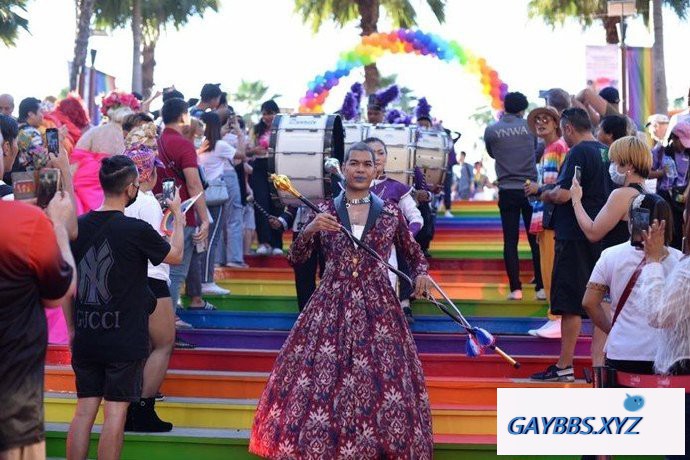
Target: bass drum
x=431 y=150
x=399 y=144
x=299 y=146
x=354 y=132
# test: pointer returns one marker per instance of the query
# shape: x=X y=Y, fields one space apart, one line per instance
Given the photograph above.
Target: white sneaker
x=540 y=295
x=550 y=330
x=213 y=289
x=515 y=295
x=262 y=250
x=181 y=324
x=277 y=252
x=448 y=214
x=237 y=265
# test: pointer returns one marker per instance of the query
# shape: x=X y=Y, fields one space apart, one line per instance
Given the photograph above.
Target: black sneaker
x=160 y=396
x=408 y=315
x=554 y=373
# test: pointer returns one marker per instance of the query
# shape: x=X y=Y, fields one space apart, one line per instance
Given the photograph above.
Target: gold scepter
x=477 y=337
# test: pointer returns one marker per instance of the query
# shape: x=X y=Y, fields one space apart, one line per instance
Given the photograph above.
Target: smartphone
x=578 y=174
x=53 y=141
x=168 y=191
x=24 y=185
x=640 y=223
x=48 y=181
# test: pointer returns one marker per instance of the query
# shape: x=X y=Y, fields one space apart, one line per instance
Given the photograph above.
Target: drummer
x=376 y=106
x=423 y=192
x=391 y=190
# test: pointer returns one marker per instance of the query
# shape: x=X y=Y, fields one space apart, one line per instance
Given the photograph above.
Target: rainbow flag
x=102 y=85
x=640 y=84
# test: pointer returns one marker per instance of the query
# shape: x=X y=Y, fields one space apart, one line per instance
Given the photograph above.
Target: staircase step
x=469 y=307
x=238 y=414
x=441 y=276
x=206 y=444
x=250 y=385
x=454 y=290
x=435 y=364
x=458 y=263
x=523 y=345
x=261 y=321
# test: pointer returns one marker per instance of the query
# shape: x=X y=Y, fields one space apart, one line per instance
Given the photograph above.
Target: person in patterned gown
x=348 y=383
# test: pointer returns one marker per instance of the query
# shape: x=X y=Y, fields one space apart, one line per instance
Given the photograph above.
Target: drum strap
x=653 y=381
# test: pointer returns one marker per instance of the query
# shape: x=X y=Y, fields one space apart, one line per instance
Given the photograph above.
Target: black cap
x=515 y=103
x=610 y=94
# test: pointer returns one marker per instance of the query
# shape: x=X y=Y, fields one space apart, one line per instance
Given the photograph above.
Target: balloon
x=376 y=45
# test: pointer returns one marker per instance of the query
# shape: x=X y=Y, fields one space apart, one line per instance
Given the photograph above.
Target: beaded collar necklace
x=365 y=200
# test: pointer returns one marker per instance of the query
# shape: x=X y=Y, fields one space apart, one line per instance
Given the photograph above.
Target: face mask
x=198 y=141
x=616 y=177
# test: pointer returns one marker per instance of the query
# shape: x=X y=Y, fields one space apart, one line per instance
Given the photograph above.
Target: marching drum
x=409 y=147
x=299 y=146
x=431 y=154
x=354 y=132
x=398 y=140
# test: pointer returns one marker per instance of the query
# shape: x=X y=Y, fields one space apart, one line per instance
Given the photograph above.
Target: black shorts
x=573 y=264
x=120 y=381
x=159 y=288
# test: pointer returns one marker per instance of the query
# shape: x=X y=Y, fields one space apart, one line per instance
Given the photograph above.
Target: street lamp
x=622 y=8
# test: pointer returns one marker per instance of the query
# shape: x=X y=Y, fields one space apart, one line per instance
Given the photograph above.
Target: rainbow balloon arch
x=406 y=41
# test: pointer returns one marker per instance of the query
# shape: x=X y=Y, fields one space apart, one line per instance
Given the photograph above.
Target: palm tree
x=11 y=21
x=555 y=12
x=342 y=12
x=252 y=93
x=146 y=18
x=81 y=42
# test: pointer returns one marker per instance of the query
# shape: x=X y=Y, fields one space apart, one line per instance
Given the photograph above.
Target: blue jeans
x=231 y=247
x=179 y=272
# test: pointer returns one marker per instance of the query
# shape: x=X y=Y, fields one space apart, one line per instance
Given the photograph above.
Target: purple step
x=426 y=343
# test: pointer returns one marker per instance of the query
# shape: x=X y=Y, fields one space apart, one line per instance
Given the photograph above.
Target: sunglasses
x=542 y=119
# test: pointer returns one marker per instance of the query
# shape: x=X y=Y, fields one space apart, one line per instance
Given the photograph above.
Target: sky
x=265 y=40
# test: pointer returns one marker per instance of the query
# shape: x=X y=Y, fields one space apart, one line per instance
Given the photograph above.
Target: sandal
x=206 y=306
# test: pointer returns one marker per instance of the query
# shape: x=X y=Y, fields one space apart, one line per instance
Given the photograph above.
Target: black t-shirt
x=592 y=158
x=113 y=300
x=31 y=269
x=5 y=189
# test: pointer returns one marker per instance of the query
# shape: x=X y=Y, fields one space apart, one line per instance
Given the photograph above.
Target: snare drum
x=300 y=143
x=398 y=140
x=431 y=150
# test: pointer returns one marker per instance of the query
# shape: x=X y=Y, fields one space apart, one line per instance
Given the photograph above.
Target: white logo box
x=653 y=418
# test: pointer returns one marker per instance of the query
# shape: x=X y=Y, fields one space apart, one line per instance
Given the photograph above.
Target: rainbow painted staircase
x=212 y=390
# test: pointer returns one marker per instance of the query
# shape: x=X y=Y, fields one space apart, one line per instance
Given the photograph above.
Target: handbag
x=217 y=192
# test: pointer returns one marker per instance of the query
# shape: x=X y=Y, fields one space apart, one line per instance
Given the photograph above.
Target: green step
x=477 y=253
x=288 y=304
x=205 y=444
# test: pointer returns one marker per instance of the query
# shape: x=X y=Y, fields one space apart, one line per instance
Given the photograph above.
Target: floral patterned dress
x=348 y=383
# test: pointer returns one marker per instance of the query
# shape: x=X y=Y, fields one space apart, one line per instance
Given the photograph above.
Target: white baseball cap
x=657 y=118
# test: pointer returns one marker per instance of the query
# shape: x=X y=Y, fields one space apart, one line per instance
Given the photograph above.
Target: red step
x=435 y=364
